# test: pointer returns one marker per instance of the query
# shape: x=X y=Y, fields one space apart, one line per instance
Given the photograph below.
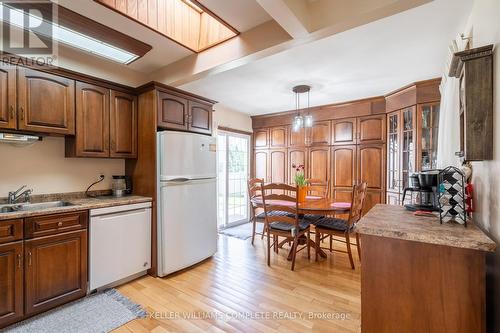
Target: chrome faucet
x=14 y=196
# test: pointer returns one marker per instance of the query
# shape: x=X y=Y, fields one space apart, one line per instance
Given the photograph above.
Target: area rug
x=101 y=312
x=242 y=231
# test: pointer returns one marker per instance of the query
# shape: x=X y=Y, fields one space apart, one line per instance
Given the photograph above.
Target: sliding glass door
x=233 y=154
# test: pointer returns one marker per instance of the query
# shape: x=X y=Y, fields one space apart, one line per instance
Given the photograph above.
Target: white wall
x=43 y=168
x=484 y=21
x=226 y=117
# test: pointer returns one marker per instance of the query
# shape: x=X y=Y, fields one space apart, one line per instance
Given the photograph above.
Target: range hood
x=20 y=139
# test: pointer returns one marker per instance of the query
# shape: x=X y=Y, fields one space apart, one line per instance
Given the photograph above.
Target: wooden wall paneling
x=371 y=129
x=8 y=101
x=46 y=102
x=123 y=125
x=261 y=138
x=132 y=8
x=320 y=133
x=344 y=131
x=296 y=156
x=318 y=162
x=11 y=276
x=278 y=137
x=142 y=11
x=120 y=5
x=143 y=169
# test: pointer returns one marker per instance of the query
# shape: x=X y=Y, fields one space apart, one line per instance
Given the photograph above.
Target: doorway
x=233 y=160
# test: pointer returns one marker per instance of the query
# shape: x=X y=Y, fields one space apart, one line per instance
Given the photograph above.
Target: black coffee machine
x=425 y=184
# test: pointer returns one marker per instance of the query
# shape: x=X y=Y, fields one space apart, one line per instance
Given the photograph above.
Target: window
x=233 y=153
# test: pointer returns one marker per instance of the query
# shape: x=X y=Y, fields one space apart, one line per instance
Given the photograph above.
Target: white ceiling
x=241 y=14
x=370 y=60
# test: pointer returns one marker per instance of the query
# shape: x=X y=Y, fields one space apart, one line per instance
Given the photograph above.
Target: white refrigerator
x=187 y=200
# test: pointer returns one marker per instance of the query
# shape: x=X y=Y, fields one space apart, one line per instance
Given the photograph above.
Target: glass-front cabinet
x=428 y=127
x=408 y=146
x=393 y=156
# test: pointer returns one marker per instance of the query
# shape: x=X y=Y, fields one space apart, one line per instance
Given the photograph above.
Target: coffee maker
x=425 y=185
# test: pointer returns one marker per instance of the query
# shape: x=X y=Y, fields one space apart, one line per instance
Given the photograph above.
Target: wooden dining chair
x=290 y=226
x=331 y=226
x=318 y=188
x=256 y=213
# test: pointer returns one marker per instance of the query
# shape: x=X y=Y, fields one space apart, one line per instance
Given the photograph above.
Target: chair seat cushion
x=273 y=213
x=332 y=223
x=303 y=225
x=312 y=218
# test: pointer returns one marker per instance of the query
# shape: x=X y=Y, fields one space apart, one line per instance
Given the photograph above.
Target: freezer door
x=187 y=224
x=186 y=155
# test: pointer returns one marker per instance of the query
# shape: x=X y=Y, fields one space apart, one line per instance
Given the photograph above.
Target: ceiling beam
x=293 y=21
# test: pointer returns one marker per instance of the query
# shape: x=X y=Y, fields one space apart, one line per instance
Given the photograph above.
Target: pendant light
x=300 y=121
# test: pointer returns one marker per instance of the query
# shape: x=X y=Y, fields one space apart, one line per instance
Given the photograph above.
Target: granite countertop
x=79 y=202
x=396 y=222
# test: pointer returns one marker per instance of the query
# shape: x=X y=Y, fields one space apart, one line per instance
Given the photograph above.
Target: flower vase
x=302 y=193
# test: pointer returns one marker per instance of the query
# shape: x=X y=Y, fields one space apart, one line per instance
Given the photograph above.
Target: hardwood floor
x=235 y=290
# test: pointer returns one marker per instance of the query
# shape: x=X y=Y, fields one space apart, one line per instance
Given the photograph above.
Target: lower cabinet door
x=11 y=283
x=56 y=270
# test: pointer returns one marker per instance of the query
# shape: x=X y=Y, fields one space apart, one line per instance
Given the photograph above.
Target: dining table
x=312 y=205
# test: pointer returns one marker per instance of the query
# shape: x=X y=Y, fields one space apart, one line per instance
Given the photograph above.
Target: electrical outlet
x=101 y=177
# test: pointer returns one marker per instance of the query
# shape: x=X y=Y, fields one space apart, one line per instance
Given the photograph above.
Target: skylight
x=186 y=22
x=69 y=37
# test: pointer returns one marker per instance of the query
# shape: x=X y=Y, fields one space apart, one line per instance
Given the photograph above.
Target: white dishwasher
x=120 y=244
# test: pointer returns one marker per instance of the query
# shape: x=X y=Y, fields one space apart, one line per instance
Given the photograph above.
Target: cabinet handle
x=22 y=113
x=29 y=258
x=59 y=224
x=12 y=112
x=19 y=260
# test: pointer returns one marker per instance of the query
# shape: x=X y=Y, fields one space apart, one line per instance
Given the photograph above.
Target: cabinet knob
x=59 y=224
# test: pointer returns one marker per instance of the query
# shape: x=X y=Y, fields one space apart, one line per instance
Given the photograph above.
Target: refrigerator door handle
x=178 y=180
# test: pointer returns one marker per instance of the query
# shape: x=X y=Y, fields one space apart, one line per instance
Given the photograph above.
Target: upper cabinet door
x=371 y=165
x=11 y=275
x=123 y=125
x=172 y=112
x=261 y=138
x=278 y=137
x=200 y=117
x=92 y=121
x=297 y=139
x=371 y=129
x=319 y=163
x=344 y=166
x=8 y=105
x=344 y=131
x=320 y=133
x=394 y=152
x=46 y=102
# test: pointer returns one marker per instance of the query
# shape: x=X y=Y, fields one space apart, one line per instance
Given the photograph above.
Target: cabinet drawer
x=11 y=230
x=54 y=224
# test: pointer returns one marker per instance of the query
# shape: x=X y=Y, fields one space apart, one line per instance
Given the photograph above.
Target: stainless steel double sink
x=33 y=206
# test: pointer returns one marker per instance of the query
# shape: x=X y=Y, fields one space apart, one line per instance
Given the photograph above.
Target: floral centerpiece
x=300 y=182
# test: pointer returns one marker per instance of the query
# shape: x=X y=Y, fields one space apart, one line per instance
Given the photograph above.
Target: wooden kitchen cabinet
x=123 y=125
x=200 y=117
x=261 y=164
x=172 y=111
x=344 y=131
x=278 y=136
x=56 y=270
x=46 y=102
x=11 y=281
x=344 y=167
x=296 y=156
x=371 y=129
x=319 y=163
x=320 y=133
x=297 y=139
x=371 y=169
x=8 y=103
x=261 y=138
x=92 y=122
x=278 y=166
